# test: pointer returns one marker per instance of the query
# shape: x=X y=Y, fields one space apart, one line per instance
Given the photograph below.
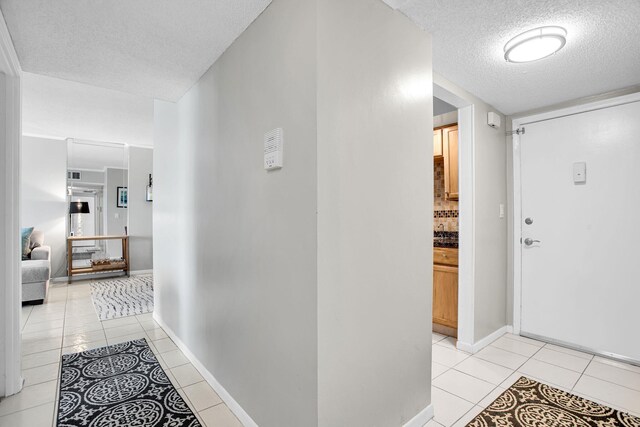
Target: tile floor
x=463 y=384
x=67 y=323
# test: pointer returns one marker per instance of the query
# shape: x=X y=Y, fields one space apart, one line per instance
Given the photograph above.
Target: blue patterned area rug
x=117 y=386
x=122 y=297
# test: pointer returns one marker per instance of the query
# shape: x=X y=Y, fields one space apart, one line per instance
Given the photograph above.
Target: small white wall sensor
x=493 y=120
x=273 y=149
x=580 y=172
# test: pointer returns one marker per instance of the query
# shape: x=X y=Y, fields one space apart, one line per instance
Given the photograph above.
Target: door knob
x=528 y=241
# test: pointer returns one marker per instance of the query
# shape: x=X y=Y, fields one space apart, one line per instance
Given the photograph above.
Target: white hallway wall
x=234 y=245
x=252 y=268
x=375 y=213
x=10 y=123
x=44 y=195
x=115 y=218
x=140 y=211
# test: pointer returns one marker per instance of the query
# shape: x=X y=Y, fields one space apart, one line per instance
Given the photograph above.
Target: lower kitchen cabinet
x=445 y=295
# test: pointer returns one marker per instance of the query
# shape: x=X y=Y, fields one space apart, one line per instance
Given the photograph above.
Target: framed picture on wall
x=122 y=200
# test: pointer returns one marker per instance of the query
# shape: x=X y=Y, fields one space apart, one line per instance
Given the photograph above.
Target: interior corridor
x=67 y=323
x=463 y=384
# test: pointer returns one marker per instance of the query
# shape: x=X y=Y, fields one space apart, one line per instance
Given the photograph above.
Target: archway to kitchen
x=459 y=319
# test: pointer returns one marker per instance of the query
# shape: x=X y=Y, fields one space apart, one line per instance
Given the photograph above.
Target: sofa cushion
x=37 y=239
x=25 y=235
x=35 y=271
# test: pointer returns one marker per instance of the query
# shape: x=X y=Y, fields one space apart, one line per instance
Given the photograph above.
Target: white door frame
x=10 y=276
x=517 y=195
x=466 y=216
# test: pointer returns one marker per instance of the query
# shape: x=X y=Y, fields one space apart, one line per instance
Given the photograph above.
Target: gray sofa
x=36 y=271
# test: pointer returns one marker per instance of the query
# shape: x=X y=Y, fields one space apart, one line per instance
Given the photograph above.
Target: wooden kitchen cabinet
x=437 y=143
x=450 y=153
x=445 y=295
x=445 y=146
x=445 y=289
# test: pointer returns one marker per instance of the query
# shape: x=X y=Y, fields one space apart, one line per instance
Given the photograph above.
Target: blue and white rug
x=123 y=297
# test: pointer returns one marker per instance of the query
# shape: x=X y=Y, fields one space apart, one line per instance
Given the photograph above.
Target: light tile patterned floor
x=67 y=323
x=464 y=384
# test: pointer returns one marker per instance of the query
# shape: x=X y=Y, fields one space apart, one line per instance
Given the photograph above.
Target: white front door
x=581 y=281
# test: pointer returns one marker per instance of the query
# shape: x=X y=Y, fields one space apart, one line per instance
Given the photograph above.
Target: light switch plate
x=580 y=172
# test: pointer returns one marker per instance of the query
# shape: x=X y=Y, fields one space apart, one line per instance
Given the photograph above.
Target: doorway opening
x=453 y=278
x=445 y=218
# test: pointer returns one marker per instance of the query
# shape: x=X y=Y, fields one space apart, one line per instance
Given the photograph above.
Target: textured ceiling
x=155 y=48
x=602 y=52
x=160 y=48
x=56 y=108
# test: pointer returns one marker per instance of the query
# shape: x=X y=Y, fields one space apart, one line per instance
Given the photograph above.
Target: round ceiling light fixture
x=535 y=44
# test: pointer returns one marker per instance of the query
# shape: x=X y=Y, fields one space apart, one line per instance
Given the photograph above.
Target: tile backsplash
x=444 y=211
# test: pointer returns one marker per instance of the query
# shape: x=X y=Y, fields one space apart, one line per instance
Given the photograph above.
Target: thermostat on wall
x=273 y=149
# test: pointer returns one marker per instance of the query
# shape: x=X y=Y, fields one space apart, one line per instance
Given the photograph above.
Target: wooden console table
x=121 y=266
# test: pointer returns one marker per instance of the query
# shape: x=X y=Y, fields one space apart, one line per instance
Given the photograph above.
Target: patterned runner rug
x=530 y=403
x=123 y=297
x=119 y=385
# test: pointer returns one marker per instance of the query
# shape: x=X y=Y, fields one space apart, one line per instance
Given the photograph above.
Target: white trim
x=466 y=225
x=65 y=138
x=10 y=278
x=140 y=272
x=71 y=169
x=517 y=231
x=421 y=418
x=517 y=185
x=479 y=345
x=43 y=136
x=81 y=183
x=231 y=403
x=9 y=63
x=466 y=206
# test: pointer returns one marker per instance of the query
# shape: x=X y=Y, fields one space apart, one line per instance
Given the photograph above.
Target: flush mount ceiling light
x=535 y=44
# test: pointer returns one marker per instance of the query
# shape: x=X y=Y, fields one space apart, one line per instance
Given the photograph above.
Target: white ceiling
x=160 y=48
x=61 y=109
x=602 y=52
x=87 y=155
x=154 y=48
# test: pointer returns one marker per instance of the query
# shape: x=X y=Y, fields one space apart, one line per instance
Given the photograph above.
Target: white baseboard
x=140 y=272
x=421 y=418
x=235 y=407
x=479 y=345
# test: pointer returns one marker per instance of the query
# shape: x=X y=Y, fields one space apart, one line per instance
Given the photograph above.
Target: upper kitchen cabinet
x=445 y=146
x=437 y=143
x=450 y=150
